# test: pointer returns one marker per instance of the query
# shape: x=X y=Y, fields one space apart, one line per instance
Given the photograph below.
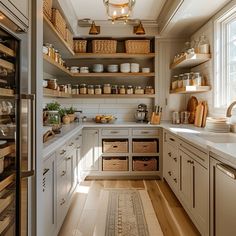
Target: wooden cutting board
x=191 y=108
x=205 y=112
x=199 y=114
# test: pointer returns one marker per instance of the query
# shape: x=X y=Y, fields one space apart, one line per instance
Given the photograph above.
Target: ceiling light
x=139 y=29
x=94 y=29
x=119 y=9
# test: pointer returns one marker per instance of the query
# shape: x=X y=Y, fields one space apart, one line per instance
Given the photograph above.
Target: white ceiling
x=95 y=9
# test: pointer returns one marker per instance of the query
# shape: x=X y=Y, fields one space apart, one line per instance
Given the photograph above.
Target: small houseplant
x=71 y=113
x=53 y=116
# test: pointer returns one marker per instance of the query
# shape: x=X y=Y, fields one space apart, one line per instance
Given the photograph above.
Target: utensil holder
x=155 y=119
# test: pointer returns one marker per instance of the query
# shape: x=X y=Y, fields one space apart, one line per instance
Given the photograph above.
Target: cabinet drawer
x=62 y=152
x=145 y=164
x=145 y=146
x=172 y=139
x=115 y=132
x=115 y=146
x=145 y=132
x=115 y=164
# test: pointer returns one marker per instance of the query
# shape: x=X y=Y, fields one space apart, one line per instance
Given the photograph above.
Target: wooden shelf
x=113 y=55
x=191 y=89
x=54 y=68
x=50 y=35
x=115 y=96
x=7 y=181
x=107 y=74
x=6 y=151
x=6 y=50
x=6 y=92
x=54 y=93
x=190 y=60
x=6 y=65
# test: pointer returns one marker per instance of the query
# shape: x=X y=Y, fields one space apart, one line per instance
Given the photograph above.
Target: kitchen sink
x=218 y=138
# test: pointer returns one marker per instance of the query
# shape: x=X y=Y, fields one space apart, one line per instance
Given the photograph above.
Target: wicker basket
x=145 y=164
x=59 y=22
x=137 y=46
x=47 y=8
x=80 y=46
x=69 y=38
x=104 y=46
x=115 y=146
x=145 y=146
x=114 y=164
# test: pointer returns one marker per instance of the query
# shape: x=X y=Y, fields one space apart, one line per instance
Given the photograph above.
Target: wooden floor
x=81 y=218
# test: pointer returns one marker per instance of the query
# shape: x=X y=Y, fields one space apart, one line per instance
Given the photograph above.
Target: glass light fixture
x=119 y=9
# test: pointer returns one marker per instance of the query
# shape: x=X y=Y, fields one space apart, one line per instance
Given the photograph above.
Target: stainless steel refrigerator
x=17 y=211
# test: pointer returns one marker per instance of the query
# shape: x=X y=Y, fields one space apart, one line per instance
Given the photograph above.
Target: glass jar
x=203 y=45
x=138 y=90
x=197 y=80
x=130 y=89
x=75 y=89
x=83 y=89
x=53 y=118
x=122 y=89
x=52 y=84
x=174 y=83
x=45 y=50
x=63 y=88
x=114 y=89
x=90 y=89
x=180 y=81
x=56 y=56
x=69 y=88
x=149 y=90
x=186 y=79
x=107 y=89
x=98 y=89
x=50 y=49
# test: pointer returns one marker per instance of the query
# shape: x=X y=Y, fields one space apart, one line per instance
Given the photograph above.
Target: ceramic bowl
x=146 y=70
x=134 y=67
x=125 y=67
x=98 y=68
x=112 y=68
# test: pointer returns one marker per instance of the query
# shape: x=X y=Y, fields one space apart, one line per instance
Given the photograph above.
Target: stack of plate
x=218 y=125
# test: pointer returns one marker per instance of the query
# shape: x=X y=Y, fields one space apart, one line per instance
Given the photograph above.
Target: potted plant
x=65 y=118
x=71 y=113
x=53 y=116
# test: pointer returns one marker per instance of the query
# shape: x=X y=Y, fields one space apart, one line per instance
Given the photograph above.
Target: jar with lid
x=114 y=89
x=107 y=89
x=75 y=89
x=98 y=89
x=45 y=50
x=138 y=90
x=130 y=89
x=83 y=89
x=52 y=84
x=122 y=89
x=149 y=90
x=186 y=79
x=50 y=49
x=56 y=56
x=203 y=45
x=197 y=80
x=90 y=89
x=63 y=88
x=180 y=81
x=174 y=83
x=68 y=88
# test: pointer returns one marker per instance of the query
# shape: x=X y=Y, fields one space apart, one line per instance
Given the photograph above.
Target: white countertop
x=189 y=133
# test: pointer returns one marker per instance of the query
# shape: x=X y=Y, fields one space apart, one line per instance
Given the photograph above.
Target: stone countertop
x=188 y=133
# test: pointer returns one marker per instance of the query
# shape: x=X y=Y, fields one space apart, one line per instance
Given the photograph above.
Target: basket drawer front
x=145 y=164
x=115 y=164
x=115 y=132
x=145 y=132
x=80 y=46
x=115 y=146
x=145 y=147
x=137 y=46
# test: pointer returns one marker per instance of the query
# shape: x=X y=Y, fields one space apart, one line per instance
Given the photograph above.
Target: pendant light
x=94 y=29
x=139 y=29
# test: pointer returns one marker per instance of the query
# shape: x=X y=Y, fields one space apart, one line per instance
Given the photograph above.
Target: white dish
x=145 y=70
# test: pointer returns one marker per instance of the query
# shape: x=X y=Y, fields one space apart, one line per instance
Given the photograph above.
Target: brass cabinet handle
x=63 y=152
x=145 y=132
x=63 y=202
x=169 y=154
x=169 y=172
x=171 y=139
x=45 y=171
x=63 y=173
x=70 y=145
x=175 y=159
x=228 y=170
x=114 y=132
x=190 y=161
x=175 y=180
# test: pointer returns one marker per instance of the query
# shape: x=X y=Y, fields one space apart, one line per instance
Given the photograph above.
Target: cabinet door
x=49 y=196
x=186 y=179
x=90 y=149
x=22 y=6
x=69 y=173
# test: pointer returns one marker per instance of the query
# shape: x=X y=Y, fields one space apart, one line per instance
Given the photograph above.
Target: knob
x=175 y=180
x=175 y=159
x=169 y=154
x=169 y=172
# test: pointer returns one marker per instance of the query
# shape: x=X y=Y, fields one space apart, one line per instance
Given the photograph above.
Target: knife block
x=155 y=119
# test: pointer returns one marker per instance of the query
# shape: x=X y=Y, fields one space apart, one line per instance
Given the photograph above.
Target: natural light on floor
x=82 y=189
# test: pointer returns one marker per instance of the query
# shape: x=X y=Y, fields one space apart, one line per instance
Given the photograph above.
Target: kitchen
x=117 y=117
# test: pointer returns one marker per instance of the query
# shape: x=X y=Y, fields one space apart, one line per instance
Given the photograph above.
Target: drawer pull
x=175 y=159
x=63 y=152
x=145 y=164
x=145 y=132
x=115 y=146
x=169 y=172
x=114 y=132
x=169 y=154
x=45 y=171
x=171 y=139
x=227 y=170
x=70 y=145
x=77 y=138
x=68 y=158
x=78 y=147
x=189 y=161
x=145 y=146
x=63 y=173
x=175 y=180
x=62 y=202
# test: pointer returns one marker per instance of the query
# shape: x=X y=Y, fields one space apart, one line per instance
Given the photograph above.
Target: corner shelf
x=190 y=60
x=113 y=55
x=191 y=89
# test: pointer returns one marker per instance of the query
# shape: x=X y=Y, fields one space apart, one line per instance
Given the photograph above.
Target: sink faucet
x=229 y=109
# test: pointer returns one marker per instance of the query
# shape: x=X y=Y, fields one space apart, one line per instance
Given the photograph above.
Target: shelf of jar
x=6 y=50
x=51 y=35
x=114 y=96
x=191 y=89
x=6 y=92
x=55 y=93
x=190 y=60
x=118 y=74
x=113 y=55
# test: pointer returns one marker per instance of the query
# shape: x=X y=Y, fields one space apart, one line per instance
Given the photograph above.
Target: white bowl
x=98 y=68
x=45 y=83
x=146 y=70
x=134 y=67
x=125 y=67
x=112 y=68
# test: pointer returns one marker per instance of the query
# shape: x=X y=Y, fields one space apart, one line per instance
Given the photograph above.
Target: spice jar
x=68 y=88
x=130 y=89
x=52 y=84
x=56 y=56
x=63 y=88
x=83 y=89
x=174 y=83
x=50 y=49
x=75 y=89
x=149 y=90
x=197 y=80
x=107 y=89
x=98 y=89
x=138 y=90
x=122 y=89
x=45 y=49
x=180 y=81
x=90 y=89
x=186 y=79
x=114 y=89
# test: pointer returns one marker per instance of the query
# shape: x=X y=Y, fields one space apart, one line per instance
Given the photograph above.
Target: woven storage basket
x=115 y=146
x=137 y=46
x=47 y=8
x=115 y=164
x=145 y=164
x=59 y=22
x=104 y=46
x=145 y=146
x=80 y=46
x=69 y=38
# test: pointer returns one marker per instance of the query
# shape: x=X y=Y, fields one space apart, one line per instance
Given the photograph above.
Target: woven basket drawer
x=80 y=46
x=115 y=146
x=137 y=46
x=104 y=46
x=145 y=164
x=69 y=38
x=59 y=22
x=115 y=164
x=145 y=146
x=47 y=8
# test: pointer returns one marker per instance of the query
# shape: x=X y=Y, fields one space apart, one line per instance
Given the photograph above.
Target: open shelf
x=114 y=96
x=6 y=50
x=107 y=74
x=190 y=60
x=113 y=55
x=5 y=181
x=6 y=92
x=6 y=65
x=191 y=89
x=54 y=93
x=6 y=151
x=50 y=35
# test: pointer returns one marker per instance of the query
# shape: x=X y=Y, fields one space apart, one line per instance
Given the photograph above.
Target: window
x=225 y=63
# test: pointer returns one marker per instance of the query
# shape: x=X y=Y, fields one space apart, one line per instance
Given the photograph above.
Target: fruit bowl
x=104 y=119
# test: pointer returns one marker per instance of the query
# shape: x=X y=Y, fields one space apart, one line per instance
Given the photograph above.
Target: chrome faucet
x=229 y=109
